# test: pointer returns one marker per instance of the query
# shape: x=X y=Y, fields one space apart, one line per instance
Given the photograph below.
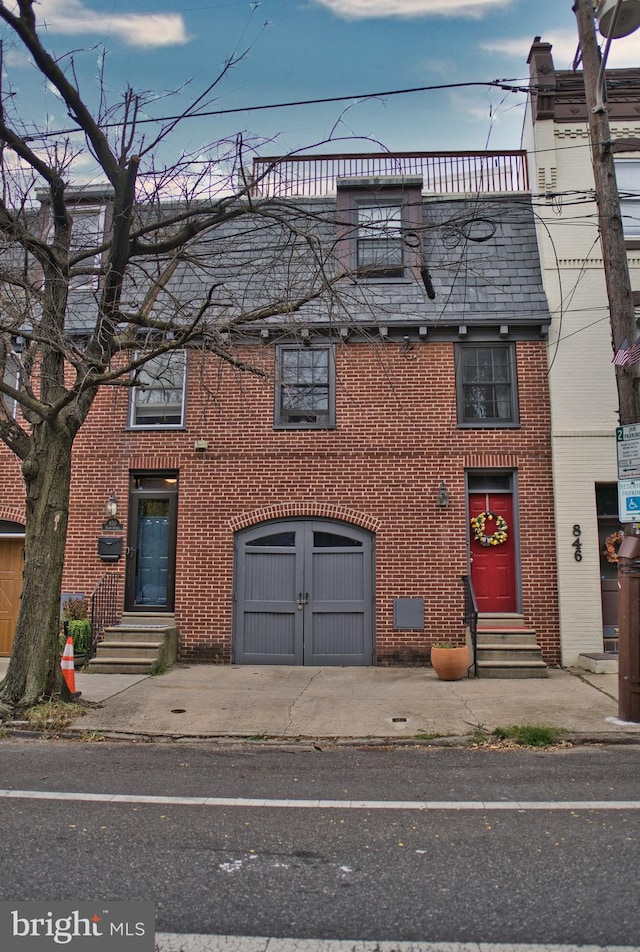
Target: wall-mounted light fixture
x=442 y=499
x=111 y=508
x=406 y=346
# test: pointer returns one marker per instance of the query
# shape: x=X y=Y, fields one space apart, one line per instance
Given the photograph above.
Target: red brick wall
x=396 y=439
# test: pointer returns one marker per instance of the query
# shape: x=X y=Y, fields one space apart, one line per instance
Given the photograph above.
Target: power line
x=502 y=84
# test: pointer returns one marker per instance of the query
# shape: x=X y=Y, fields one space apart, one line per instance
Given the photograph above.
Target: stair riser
x=500 y=638
x=513 y=673
x=137 y=620
x=135 y=652
x=136 y=634
x=511 y=655
x=501 y=620
x=120 y=668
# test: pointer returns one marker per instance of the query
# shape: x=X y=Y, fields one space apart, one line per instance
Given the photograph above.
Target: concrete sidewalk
x=303 y=702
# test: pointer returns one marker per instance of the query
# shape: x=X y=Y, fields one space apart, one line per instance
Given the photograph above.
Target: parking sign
x=629 y=500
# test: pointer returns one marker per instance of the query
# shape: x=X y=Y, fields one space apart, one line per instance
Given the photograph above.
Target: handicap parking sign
x=629 y=500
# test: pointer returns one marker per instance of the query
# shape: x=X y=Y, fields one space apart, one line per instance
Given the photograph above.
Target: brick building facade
x=328 y=502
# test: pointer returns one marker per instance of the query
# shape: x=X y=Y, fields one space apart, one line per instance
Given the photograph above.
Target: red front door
x=493 y=567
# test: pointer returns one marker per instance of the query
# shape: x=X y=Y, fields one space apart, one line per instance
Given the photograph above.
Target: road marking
x=169 y=942
x=264 y=802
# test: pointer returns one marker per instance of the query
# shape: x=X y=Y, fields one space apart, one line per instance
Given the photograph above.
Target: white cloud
x=16 y=58
x=624 y=52
x=73 y=17
x=362 y=9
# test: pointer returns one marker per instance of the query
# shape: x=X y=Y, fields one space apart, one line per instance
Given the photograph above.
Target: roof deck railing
x=442 y=173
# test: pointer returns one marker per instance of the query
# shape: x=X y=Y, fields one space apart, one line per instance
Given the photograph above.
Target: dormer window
x=379 y=242
x=87 y=233
x=380 y=227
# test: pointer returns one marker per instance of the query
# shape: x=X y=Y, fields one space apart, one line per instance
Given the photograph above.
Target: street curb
x=313 y=742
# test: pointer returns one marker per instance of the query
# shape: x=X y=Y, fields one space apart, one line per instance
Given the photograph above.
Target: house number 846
x=577 y=544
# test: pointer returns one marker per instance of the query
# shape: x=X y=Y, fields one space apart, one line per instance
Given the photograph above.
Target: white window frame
x=628 y=179
x=145 y=388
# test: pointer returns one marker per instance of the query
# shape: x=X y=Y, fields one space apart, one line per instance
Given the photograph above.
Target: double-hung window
x=628 y=179
x=12 y=379
x=380 y=228
x=87 y=234
x=486 y=385
x=379 y=242
x=158 y=396
x=305 y=386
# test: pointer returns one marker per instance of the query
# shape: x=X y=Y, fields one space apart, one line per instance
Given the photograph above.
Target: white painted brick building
x=581 y=375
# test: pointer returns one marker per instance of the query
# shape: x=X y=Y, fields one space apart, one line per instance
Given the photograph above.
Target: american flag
x=627 y=355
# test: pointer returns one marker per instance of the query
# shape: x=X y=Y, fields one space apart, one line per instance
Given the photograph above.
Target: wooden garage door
x=11 y=566
x=304 y=595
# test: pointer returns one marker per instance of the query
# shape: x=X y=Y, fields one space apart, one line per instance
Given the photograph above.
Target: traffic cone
x=66 y=663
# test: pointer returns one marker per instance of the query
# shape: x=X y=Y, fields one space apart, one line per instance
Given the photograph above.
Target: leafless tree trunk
x=135 y=275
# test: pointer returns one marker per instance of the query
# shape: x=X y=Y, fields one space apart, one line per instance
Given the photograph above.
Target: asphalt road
x=447 y=846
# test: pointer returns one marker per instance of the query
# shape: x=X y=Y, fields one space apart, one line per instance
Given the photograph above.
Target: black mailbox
x=109 y=548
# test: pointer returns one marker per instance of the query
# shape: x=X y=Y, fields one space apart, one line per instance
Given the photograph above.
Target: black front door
x=151 y=548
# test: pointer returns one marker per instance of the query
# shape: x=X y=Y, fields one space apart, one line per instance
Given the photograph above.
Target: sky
x=293 y=50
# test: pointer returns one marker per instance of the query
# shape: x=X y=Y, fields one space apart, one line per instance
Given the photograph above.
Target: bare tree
x=86 y=299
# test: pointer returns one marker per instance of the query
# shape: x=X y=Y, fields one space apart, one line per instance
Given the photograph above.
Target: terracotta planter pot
x=450 y=664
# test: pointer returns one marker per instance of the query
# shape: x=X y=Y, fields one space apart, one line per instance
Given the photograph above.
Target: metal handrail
x=470 y=619
x=105 y=607
x=442 y=173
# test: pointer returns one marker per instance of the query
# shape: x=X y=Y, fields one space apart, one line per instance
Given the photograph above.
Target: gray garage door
x=304 y=594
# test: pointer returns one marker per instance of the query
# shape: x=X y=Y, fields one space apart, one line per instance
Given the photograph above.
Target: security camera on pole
x=615 y=18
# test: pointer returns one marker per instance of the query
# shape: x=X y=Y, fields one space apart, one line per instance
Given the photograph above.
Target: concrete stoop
x=140 y=644
x=599 y=662
x=508 y=649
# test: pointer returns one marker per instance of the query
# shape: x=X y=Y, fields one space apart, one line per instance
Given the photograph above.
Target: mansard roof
x=480 y=252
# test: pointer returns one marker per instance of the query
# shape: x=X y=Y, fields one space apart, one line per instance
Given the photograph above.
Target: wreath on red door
x=611 y=545
x=479 y=527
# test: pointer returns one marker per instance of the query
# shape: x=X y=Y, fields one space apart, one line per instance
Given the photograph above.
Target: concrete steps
x=140 y=644
x=506 y=648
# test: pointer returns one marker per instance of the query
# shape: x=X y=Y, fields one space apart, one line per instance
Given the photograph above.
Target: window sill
x=363 y=279
x=145 y=427
x=289 y=427
x=490 y=425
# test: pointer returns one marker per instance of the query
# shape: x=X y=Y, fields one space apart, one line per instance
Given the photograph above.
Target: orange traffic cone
x=66 y=663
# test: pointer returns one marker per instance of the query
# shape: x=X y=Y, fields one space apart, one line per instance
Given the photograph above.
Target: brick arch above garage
x=308 y=509
x=12 y=514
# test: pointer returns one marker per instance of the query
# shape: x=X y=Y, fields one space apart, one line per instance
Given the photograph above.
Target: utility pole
x=623 y=329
